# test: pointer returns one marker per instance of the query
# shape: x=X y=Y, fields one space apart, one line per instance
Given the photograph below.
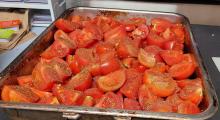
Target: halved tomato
x=15 y=93
x=127 y=62
x=188 y=108
x=126 y=48
x=140 y=32
x=84 y=56
x=147 y=59
x=189 y=58
x=155 y=50
x=160 y=67
x=103 y=48
x=110 y=100
x=173 y=45
x=131 y=104
x=192 y=92
x=137 y=21
x=41 y=94
x=114 y=36
x=67 y=96
x=49 y=100
x=44 y=77
x=112 y=81
x=154 y=39
x=80 y=81
x=66 y=25
x=172 y=57
x=103 y=22
x=159 y=24
x=129 y=27
x=132 y=84
x=161 y=106
x=88 y=101
x=25 y=80
x=10 y=23
x=168 y=34
x=138 y=66
x=94 y=92
x=178 y=29
x=73 y=64
x=182 y=70
x=174 y=100
x=183 y=83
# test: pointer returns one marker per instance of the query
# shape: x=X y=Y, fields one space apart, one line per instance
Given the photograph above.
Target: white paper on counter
x=217 y=62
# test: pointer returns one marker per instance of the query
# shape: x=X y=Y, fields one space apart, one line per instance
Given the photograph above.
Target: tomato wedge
x=182 y=70
x=84 y=56
x=161 y=106
x=103 y=48
x=127 y=49
x=172 y=45
x=94 y=92
x=14 y=93
x=168 y=34
x=140 y=32
x=179 y=31
x=187 y=108
x=112 y=81
x=132 y=84
x=88 y=101
x=110 y=100
x=160 y=67
x=154 y=39
x=66 y=25
x=147 y=59
x=159 y=24
x=137 y=21
x=49 y=100
x=73 y=64
x=25 y=80
x=80 y=81
x=131 y=104
x=155 y=50
x=172 y=57
x=174 y=100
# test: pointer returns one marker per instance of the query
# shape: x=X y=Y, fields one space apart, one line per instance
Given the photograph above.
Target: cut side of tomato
x=160 y=67
x=49 y=100
x=161 y=106
x=131 y=104
x=174 y=100
x=132 y=84
x=154 y=39
x=173 y=45
x=80 y=81
x=112 y=81
x=137 y=21
x=110 y=100
x=187 y=108
x=66 y=25
x=182 y=70
x=185 y=82
x=103 y=48
x=84 y=56
x=178 y=29
x=73 y=64
x=147 y=59
x=140 y=32
x=14 y=93
x=94 y=92
x=168 y=34
x=172 y=57
x=25 y=80
x=160 y=25
x=127 y=49
x=155 y=50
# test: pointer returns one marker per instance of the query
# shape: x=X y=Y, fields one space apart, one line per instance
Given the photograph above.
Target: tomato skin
x=137 y=21
x=88 y=101
x=147 y=59
x=129 y=27
x=155 y=50
x=172 y=45
x=132 y=84
x=168 y=34
x=179 y=31
x=103 y=48
x=154 y=39
x=110 y=100
x=174 y=100
x=66 y=25
x=14 y=93
x=172 y=57
x=10 y=23
x=140 y=32
x=112 y=81
x=80 y=81
x=188 y=108
x=49 y=100
x=131 y=104
x=185 y=82
x=84 y=57
x=159 y=24
x=161 y=106
x=25 y=80
x=127 y=49
x=182 y=70
x=73 y=64
x=138 y=66
x=94 y=92
x=160 y=67
x=114 y=36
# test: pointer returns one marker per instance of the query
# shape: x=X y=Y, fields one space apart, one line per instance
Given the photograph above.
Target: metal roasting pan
x=25 y=62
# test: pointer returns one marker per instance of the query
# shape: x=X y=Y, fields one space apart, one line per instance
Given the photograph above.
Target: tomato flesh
x=131 y=104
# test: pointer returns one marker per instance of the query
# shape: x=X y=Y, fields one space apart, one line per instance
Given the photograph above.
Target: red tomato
x=161 y=106
x=147 y=59
x=61 y=67
x=160 y=84
x=88 y=101
x=154 y=39
x=127 y=49
x=84 y=56
x=183 y=83
x=67 y=96
x=168 y=34
x=110 y=100
x=131 y=104
x=174 y=100
x=159 y=24
x=44 y=77
x=173 y=45
x=114 y=36
x=155 y=50
x=80 y=81
x=129 y=27
x=25 y=80
x=188 y=108
x=172 y=57
x=14 y=93
x=192 y=92
x=137 y=21
x=127 y=62
x=140 y=32
x=73 y=64
x=138 y=66
x=10 y=23
x=160 y=67
x=103 y=22
x=94 y=92
x=179 y=31
x=66 y=25
x=132 y=84
x=189 y=58
x=182 y=70
x=49 y=100
x=112 y=81
x=103 y=48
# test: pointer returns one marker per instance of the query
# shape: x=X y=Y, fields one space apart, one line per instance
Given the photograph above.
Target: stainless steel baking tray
x=25 y=62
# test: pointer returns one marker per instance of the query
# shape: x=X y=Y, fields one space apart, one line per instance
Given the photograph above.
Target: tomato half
x=137 y=21
x=73 y=64
x=14 y=93
x=140 y=32
x=154 y=39
x=159 y=24
x=174 y=100
x=172 y=57
x=110 y=100
x=155 y=50
x=132 y=84
x=183 y=83
x=168 y=34
x=126 y=48
x=84 y=56
x=25 y=80
x=187 y=108
x=80 y=81
x=161 y=106
x=112 y=81
x=173 y=45
x=94 y=92
x=131 y=104
x=160 y=67
x=182 y=70
x=103 y=48
x=49 y=100
x=66 y=25
x=178 y=29
x=147 y=59
x=88 y=101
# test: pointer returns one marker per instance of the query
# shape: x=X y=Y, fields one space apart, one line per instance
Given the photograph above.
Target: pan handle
x=122 y=118
x=71 y=116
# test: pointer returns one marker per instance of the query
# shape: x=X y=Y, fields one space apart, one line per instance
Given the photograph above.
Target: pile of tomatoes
x=107 y=63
